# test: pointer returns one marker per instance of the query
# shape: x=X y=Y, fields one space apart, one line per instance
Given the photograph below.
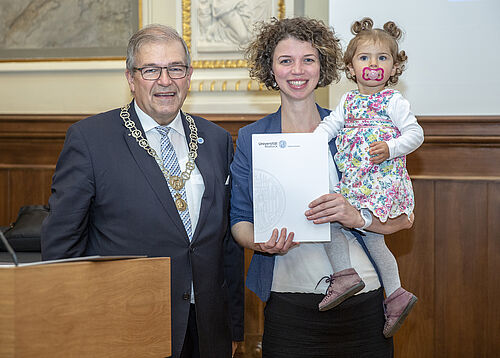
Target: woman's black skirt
x=295 y=328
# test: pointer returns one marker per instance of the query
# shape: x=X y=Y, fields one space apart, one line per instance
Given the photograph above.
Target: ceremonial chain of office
x=176 y=182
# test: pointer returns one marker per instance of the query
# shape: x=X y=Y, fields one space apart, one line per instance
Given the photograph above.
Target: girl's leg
x=399 y=302
x=385 y=260
x=337 y=249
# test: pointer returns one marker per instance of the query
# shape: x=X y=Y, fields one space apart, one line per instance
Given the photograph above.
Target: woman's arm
x=391 y=226
x=334 y=207
x=243 y=233
x=242 y=204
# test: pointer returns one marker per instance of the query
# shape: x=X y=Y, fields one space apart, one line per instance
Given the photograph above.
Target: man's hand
x=379 y=152
x=235 y=347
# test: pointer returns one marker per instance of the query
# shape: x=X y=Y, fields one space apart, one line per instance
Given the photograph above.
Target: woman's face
x=296 y=68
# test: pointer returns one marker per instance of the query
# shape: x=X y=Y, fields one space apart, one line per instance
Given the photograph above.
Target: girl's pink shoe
x=397 y=307
x=343 y=285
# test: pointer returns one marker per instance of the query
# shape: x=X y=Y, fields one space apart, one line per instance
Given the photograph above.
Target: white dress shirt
x=195 y=187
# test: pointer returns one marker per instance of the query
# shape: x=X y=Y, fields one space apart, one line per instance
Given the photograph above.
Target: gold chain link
x=176 y=182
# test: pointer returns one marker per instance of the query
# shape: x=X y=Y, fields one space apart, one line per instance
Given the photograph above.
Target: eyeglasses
x=152 y=73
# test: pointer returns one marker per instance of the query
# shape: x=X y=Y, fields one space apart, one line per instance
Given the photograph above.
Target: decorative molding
x=471 y=178
x=63 y=65
x=461 y=129
x=37 y=126
x=468 y=131
x=7 y=167
x=484 y=128
x=226 y=85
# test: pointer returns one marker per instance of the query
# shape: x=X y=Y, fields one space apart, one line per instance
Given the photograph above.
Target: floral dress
x=385 y=189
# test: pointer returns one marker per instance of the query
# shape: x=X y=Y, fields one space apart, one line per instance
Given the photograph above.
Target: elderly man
x=149 y=179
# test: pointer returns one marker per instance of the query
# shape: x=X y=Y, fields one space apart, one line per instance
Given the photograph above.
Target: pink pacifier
x=374 y=74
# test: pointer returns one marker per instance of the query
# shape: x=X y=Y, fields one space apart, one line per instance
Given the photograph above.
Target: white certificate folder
x=289 y=171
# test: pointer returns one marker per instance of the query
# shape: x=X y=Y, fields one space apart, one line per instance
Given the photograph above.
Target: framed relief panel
x=216 y=30
x=66 y=30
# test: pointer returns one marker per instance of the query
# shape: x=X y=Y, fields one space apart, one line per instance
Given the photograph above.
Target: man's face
x=162 y=98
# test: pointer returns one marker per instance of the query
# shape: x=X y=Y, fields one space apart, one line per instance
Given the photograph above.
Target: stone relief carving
x=228 y=22
x=217 y=30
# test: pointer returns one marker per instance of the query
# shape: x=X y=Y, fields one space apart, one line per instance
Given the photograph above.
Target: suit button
x=186 y=296
x=191 y=249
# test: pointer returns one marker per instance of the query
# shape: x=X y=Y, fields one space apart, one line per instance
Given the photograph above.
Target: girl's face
x=296 y=68
x=372 y=65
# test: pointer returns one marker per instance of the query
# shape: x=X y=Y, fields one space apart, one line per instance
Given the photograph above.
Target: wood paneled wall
x=449 y=259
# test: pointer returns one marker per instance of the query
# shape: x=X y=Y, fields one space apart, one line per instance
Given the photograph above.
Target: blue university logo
x=282 y=143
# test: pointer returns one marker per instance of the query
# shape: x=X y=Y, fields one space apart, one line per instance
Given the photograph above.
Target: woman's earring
x=274 y=84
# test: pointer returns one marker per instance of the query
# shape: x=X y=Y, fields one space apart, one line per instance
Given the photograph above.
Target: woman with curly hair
x=296 y=56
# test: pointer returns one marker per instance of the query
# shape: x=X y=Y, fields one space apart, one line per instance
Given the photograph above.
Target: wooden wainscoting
x=29 y=148
x=449 y=259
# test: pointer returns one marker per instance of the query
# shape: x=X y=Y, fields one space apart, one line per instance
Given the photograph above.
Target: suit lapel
x=152 y=172
x=202 y=162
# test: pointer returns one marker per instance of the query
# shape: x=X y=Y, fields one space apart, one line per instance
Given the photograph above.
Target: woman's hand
x=278 y=245
x=334 y=207
x=379 y=152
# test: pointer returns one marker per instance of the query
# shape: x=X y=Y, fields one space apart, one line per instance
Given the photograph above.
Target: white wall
x=453 y=49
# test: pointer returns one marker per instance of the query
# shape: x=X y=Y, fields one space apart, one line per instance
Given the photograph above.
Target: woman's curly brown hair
x=259 y=53
x=389 y=35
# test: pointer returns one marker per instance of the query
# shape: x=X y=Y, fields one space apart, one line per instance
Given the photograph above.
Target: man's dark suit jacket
x=109 y=197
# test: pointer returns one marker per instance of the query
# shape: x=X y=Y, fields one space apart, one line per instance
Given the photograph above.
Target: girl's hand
x=278 y=245
x=379 y=152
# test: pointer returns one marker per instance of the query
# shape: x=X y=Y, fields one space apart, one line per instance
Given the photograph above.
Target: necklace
x=176 y=182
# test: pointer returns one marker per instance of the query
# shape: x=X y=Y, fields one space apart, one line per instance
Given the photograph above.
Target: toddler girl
x=375 y=129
